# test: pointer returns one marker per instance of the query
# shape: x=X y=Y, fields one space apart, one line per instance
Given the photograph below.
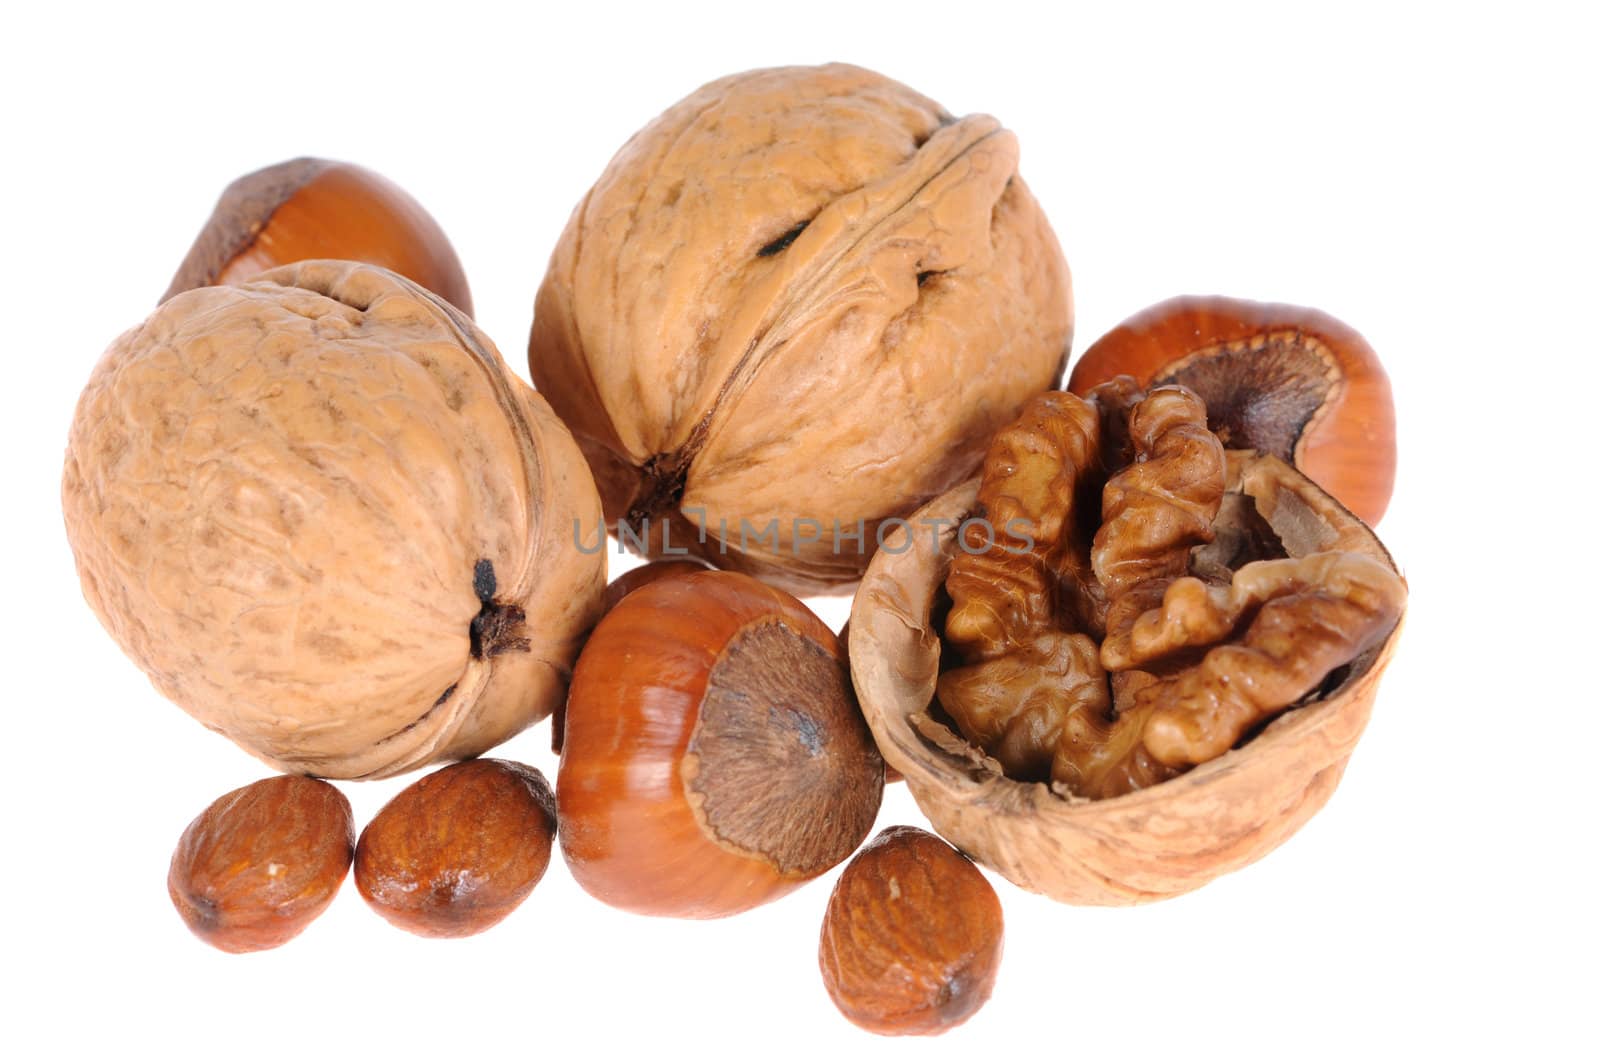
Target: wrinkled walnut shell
x=801 y=299
x=1143 y=846
x=329 y=523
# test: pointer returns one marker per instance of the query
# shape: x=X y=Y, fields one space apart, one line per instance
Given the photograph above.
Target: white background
x=1428 y=175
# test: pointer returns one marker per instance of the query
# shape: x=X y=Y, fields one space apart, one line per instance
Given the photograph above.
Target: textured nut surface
x=912 y=937
x=324 y=517
x=1032 y=687
x=1153 y=843
x=260 y=863
x=456 y=851
x=805 y=294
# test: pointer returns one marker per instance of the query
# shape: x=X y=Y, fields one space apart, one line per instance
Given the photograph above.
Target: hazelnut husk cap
x=1146 y=845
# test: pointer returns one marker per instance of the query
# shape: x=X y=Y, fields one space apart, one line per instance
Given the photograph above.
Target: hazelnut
x=635 y=578
x=714 y=756
x=260 y=863
x=314 y=208
x=1282 y=380
x=456 y=851
x=619 y=589
x=1160 y=685
x=795 y=306
x=912 y=937
x=329 y=522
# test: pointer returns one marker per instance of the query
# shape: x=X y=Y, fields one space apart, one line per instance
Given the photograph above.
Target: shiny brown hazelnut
x=1288 y=381
x=456 y=851
x=260 y=863
x=619 y=589
x=912 y=937
x=714 y=756
x=314 y=208
x=635 y=578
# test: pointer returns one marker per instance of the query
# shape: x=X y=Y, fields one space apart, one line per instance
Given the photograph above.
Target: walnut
x=1018 y=602
x=1158 y=654
x=1033 y=691
x=794 y=307
x=324 y=517
x=1312 y=615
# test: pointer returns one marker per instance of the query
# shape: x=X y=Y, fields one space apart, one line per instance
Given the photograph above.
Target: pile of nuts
x=795 y=317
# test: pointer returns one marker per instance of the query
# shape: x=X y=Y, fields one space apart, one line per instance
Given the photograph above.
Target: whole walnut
x=794 y=307
x=327 y=520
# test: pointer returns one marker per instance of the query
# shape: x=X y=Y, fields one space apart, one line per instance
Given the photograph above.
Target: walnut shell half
x=328 y=521
x=797 y=305
x=1142 y=846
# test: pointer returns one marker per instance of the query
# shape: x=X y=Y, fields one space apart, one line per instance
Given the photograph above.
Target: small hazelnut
x=456 y=851
x=260 y=863
x=912 y=937
x=314 y=208
x=1282 y=380
x=714 y=756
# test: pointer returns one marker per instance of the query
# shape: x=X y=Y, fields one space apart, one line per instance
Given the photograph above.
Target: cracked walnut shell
x=1178 y=831
x=795 y=306
x=327 y=520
